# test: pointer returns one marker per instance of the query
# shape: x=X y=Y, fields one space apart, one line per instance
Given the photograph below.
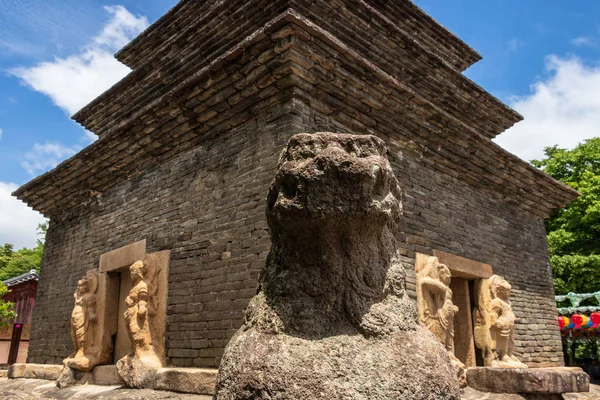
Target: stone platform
x=34 y=389
x=549 y=382
x=183 y=380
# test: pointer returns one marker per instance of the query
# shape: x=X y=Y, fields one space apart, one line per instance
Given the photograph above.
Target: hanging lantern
x=563 y=322
x=577 y=320
x=595 y=317
x=587 y=322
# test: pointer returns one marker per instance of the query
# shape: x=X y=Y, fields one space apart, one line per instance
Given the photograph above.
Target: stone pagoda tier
x=189 y=141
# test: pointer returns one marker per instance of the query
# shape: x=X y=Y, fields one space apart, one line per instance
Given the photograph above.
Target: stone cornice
x=189 y=14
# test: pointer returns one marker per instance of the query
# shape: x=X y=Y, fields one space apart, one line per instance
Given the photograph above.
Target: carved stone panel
x=145 y=320
x=93 y=321
x=434 y=302
x=495 y=323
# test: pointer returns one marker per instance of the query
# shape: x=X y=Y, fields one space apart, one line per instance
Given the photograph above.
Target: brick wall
x=207 y=206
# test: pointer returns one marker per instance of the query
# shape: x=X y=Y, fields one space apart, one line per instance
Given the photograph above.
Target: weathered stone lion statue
x=331 y=319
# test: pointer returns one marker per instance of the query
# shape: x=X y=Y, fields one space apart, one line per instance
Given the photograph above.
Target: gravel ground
x=30 y=389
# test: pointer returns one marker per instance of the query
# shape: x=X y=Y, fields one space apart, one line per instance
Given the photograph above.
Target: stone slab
x=528 y=380
x=463 y=267
x=106 y=375
x=186 y=380
x=36 y=389
x=35 y=371
x=123 y=257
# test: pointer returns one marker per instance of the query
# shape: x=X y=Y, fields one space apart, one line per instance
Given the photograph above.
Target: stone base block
x=35 y=371
x=103 y=375
x=106 y=375
x=186 y=380
x=545 y=381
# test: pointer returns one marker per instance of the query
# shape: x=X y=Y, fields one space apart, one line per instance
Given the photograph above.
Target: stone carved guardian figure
x=139 y=367
x=83 y=320
x=495 y=324
x=332 y=316
x=502 y=323
x=93 y=324
x=436 y=309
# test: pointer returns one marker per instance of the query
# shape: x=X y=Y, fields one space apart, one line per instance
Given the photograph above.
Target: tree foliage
x=574 y=231
x=7 y=311
x=14 y=263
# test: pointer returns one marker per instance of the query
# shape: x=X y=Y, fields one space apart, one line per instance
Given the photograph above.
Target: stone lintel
x=528 y=380
x=186 y=380
x=35 y=371
x=463 y=267
x=123 y=257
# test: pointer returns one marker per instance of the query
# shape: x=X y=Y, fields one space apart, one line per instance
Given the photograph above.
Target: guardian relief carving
x=436 y=309
x=93 y=324
x=495 y=324
x=90 y=348
x=138 y=368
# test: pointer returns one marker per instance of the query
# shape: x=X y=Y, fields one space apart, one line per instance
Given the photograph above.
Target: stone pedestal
x=105 y=375
x=542 y=382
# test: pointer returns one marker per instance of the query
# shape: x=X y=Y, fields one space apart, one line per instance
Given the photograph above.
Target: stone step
x=184 y=380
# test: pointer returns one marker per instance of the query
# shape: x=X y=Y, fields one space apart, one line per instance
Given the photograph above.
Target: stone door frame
x=465 y=273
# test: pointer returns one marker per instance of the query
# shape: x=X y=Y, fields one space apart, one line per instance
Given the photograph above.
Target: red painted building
x=14 y=339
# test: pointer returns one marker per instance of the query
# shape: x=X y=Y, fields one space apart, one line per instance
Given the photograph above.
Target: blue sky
x=540 y=57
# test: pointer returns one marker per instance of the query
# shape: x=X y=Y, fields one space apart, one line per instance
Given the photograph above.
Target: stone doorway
x=116 y=263
x=465 y=275
x=464 y=343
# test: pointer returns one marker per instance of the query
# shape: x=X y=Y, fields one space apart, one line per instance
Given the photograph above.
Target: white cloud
x=74 y=81
x=1 y=134
x=46 y=156
x=583 y=41
x=123 y=27
x=18 y=223
x=562 y=109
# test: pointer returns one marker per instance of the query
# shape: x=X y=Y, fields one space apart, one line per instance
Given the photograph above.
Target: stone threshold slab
x=541 y=381
x=49 y=372
x=186 y=380
x=183 y=380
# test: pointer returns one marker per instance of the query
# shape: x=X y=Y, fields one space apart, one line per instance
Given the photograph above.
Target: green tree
x=574 y=231
x=7 y=311
x=14 y=263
